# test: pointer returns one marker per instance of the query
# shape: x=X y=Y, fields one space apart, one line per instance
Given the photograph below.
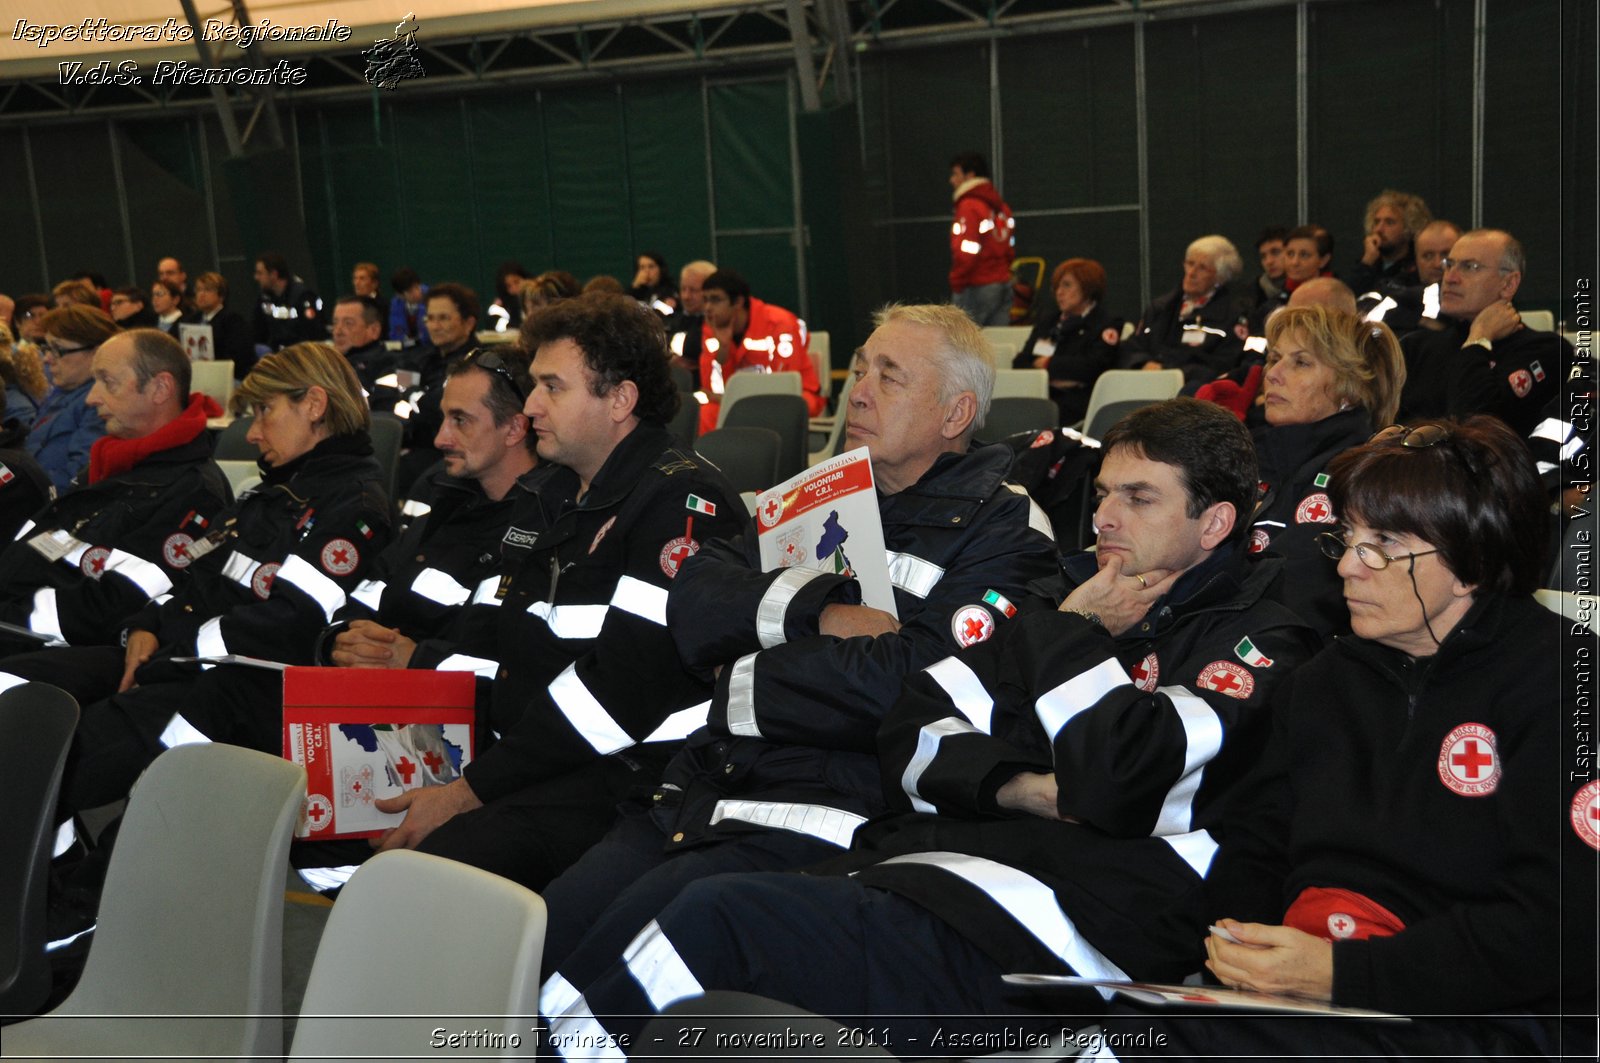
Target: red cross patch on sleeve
x=1225 y=677
x=340 y=557
x=1468 y=763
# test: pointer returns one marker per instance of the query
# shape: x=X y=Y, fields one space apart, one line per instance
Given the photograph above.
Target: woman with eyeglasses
x=1330 y=380
x=1419 y=835
x=66 y=427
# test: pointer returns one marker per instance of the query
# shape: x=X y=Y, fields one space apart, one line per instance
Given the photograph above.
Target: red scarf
x=110 y=456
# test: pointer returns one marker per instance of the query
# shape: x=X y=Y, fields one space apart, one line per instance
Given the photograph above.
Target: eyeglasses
x=62 y=352
x=1333 y=546
x=491 y=361
x=1419 y=438
x=1469 y=266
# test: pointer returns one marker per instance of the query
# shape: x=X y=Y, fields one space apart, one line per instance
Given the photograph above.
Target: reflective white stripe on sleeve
x=1036 y=517
x=587 y=716
x=298 y=572
x=774 y=604
x=742 y=697
x=66 y=834
x=574 y=1031
x=45 y=619
x=414 y=508
x=1547 y=467
x=641 y=599
x=571 y=621
x=1032 y=904
x=369 y=592
x=22 y=532
x=1430 y=301
x=323 y=879
x=208 y=640
x=7 y=681
x=180 y=732
x=74 y=556
x=1202 y=732
x=928 y=739
x=970 y=247
x=658 y=968
x=143 y=574
x=1381 y=310
x=681 y=724
x=964 y=689
x=1056 y=707
x=1196 y=848
x=240 y=569
x=437 y=586
x=461 y=662
x=832 y=825
x=912 y=574
x=485 y=594
x=1552 y=428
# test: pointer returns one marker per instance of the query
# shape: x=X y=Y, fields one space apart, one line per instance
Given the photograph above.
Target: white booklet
x=1199 y=996
x=198 y=341
x=233 y=658
x=827 y=518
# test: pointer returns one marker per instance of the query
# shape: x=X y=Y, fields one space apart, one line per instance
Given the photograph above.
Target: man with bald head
x=1485 y=360
x=1324 y=291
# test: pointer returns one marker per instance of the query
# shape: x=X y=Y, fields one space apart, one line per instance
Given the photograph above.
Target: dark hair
x=138 y=295
x=273 y=262
x=502 y=271
x=371 y=310
x=621 y=340
x=605 y=282
x=405 y=278
x=25 y=303
x=97 y=281
x=173 y=288
x=502 y=400
x=1090 y=275
x=154 y=351
x=464 y=298
x=661 y=264
x=88 y=325
x=726 y=280
x=1316 y=234
x=1475 y=496
x=1279 y=233
x=1210 y=448
x=972 y=162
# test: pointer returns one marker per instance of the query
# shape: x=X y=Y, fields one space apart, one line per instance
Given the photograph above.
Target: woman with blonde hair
x=1331 y=380
x=24 y=380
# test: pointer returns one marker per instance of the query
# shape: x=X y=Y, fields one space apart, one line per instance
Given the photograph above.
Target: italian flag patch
x=1321 y=479
x=697 y=504
x=1246 y=651
x=366 y=532
x=1000 y=602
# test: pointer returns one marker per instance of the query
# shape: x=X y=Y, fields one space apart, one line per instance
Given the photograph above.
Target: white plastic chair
x=1539 y=320
x=214 y=379
x=1128 y=385
x=412 y=941
x=191 y=920
x=833 y=427
x=821 y=347
x=741 y=384
x=1006 y=340
x=240 y=475
x=1021 y=384
x=1578 y=608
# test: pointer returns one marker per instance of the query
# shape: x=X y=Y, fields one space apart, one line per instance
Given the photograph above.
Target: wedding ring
x=1142 y=584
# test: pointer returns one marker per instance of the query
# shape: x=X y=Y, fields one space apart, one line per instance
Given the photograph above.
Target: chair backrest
x=231 y=444
x=241 y=475
x=1578 y=608
x=682 y=379
x=191 y=919
x=469 y=940
x=1012 y=415
x=1006 y=340
x=388 y=432
x=1110 y=414
x=1021 y=384
x=1121 y=385
x=739 y=385
x=786 y=415
x=214 y=379
x=36 y=724
x=1538 y=320
x=685 y=424
x=835 y=437
x=748 y=457
x=820 y=344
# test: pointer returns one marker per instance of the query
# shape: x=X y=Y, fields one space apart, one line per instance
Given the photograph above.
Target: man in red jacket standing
x=982 y=243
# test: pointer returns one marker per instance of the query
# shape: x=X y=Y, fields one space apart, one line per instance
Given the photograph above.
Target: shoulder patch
x=1146 y=674
x=675 y=553
x=1225 y=677
x=1110 y=337
x=1521 y=383
x=1468 y=762
x=1585 y=814
x=261 y=580
x=1315 y=508
x=175 y=550
x=340 y=557
x=1259 y=540
x=93 y=561
x=971 y=625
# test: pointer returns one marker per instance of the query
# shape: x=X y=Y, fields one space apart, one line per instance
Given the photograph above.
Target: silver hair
x=1223 y=255
x=966 y=361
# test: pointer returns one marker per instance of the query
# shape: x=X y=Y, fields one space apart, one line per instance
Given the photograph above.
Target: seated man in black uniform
x=99 y=553
x=1486 y=361
x=287 y=312
x=412 y=392
x=358 y=335
x=784 y=771
x=1057 y=785
x=575 y=633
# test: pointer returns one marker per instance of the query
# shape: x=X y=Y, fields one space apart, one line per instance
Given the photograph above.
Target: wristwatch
x=1089 y=615
x=1482 y=341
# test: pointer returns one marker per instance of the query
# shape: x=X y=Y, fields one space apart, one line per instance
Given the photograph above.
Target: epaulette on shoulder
x=673 y=460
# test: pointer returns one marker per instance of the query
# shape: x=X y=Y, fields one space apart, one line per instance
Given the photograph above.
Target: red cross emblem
x=1146 y=673
x=318 y=812
x=94 y=561
x=1228 y=678
x=771 y=509
x=1341 y=925
x=340 y=557
x=1521 y=383
x=176 y=550
x=1259 y=540
x=1314 y=509
x=675 y=553
x=406 y=770
x=971 y=624
x=433 y=760
x=1468 y=762
x=1586 y=814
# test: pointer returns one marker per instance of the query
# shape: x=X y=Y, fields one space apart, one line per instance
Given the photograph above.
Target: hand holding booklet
x=827 y=518
x=1201 y=996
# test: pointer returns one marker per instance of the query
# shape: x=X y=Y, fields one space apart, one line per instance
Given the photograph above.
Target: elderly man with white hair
x=1200 y=326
